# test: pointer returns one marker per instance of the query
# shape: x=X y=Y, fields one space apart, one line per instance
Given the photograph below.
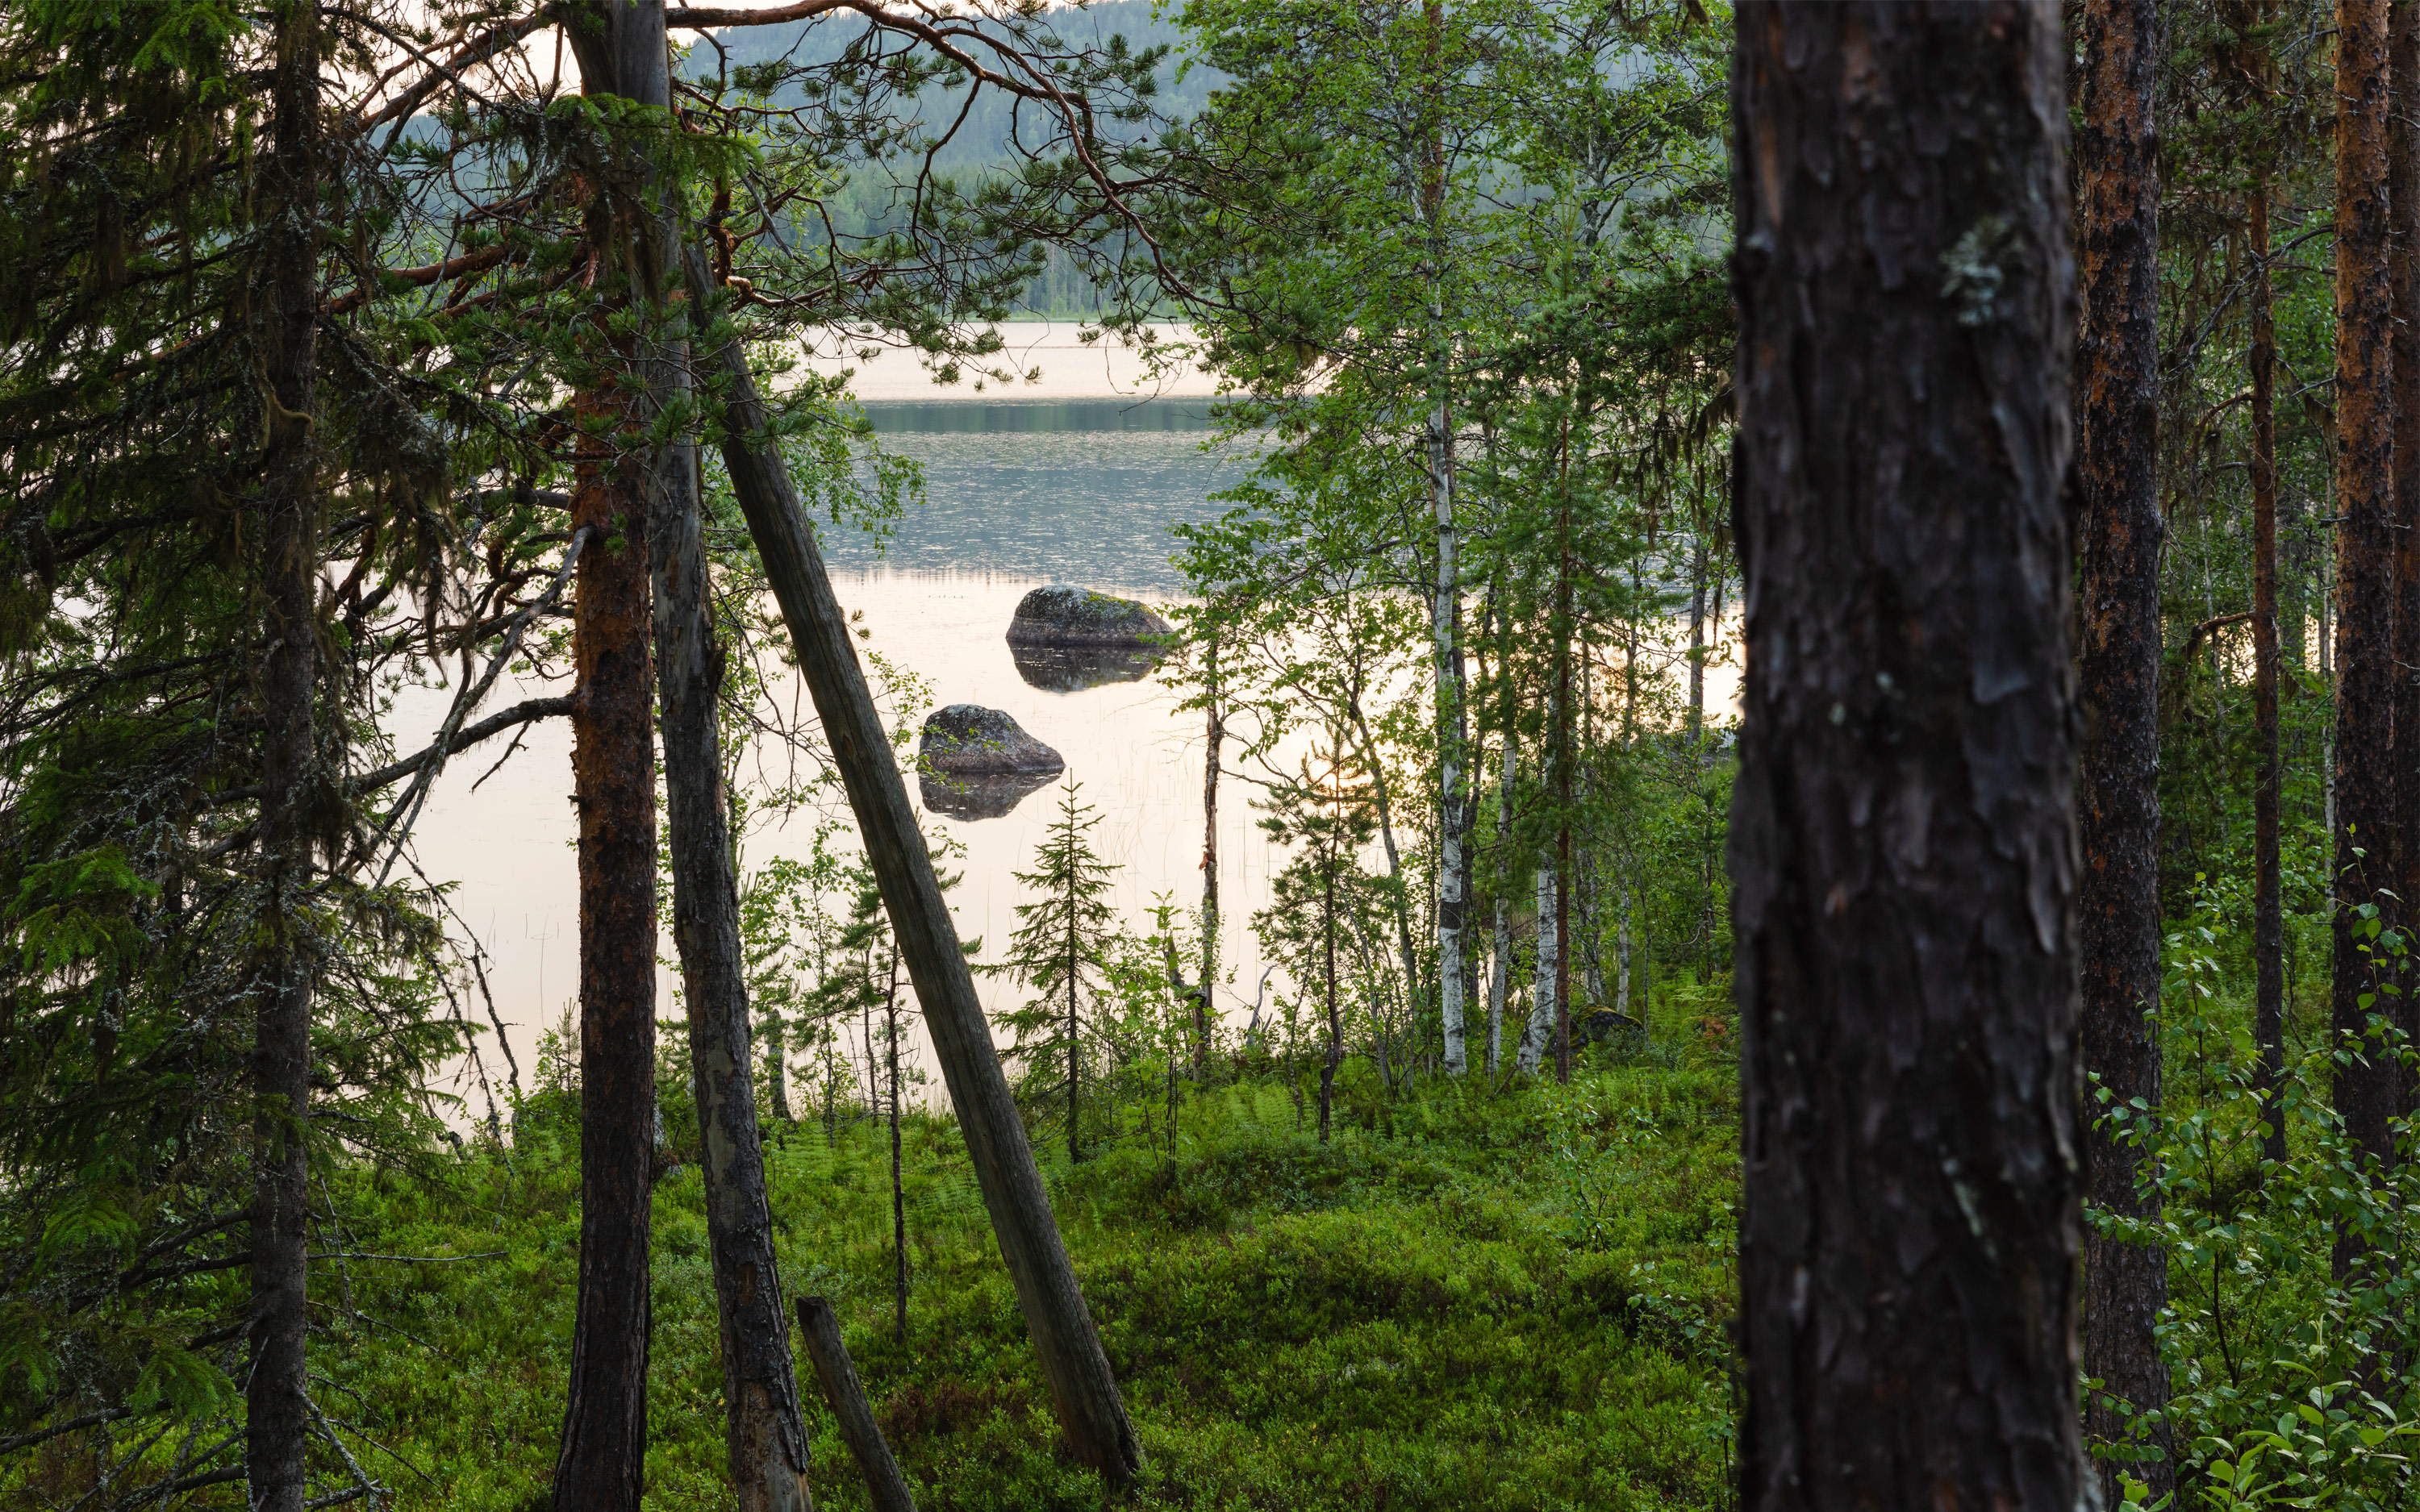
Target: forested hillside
x=1812 y=613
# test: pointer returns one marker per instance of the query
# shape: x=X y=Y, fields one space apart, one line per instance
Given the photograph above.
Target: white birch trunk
x=1540 y=1031
x=1445 y=626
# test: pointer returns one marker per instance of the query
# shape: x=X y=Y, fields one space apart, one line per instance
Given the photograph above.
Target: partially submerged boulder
x=1062 y=614
x=969 y=740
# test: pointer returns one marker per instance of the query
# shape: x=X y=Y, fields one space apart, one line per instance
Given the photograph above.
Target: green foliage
x=2294 y=1382
x=1403 y=1317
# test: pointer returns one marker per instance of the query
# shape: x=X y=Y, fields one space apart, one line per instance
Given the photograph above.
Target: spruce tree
x=1060 y=949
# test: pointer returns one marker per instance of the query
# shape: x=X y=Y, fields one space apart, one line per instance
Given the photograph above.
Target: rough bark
x=2117 y=898
x=2403 y=193
x=599 y=1466
x=2268 y=901
x=885 y=1487
x=765 y=1437
x=1083 y=1393
x=2365 y=634
x=1903 y=841
x=277 y=1409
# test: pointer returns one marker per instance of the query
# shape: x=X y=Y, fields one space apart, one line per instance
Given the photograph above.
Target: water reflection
x=990 y=796
x=1080 y=493
x=1074 y=668
x=1009 y=505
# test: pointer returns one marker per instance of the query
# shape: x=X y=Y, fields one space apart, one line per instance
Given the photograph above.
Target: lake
x=1020 y=491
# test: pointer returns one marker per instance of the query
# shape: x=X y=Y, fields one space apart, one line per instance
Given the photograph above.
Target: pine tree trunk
x=2365 y=729
x=2118 y=895
x=277 y=1409
x=599 y=1465
x=1083 y=1392
x=765 y=1435
x=1903 y=826
x=2403 y=194
x=2268 y=903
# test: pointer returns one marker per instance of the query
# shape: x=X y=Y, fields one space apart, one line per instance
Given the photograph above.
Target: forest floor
x=1469 y=1298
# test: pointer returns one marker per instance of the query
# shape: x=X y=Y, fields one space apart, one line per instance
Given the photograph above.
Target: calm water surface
x=1017 y=494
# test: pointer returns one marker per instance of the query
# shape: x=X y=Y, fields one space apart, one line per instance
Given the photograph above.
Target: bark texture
x=765 y=1437
x=2117 y=901
x=2365 y=631
x=277 y=1409
x=600 y=1463
x=2267 y=900
x=2403 y=193
x=1083 y=1392
x=885 y=1487
x=1903 y=840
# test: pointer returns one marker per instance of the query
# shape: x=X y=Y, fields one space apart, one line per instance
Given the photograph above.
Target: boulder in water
x=1064 y=615
x=969 y=740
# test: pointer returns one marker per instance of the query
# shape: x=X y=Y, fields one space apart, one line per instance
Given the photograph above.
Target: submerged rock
x=980 y=797
x=1074 y=668
x=969 y=740
x=1064 y=615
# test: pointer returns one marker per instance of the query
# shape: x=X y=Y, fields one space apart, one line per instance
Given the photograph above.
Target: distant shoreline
x=1070 y=369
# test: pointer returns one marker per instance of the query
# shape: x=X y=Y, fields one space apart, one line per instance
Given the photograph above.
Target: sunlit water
x=1017 y=493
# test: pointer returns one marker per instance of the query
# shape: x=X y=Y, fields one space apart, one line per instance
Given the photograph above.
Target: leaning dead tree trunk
x=1903 y=840
x=599 y=1465
x=885 y=1487
x=2118 y=897
x=1083 y=1393
x=277 y=1407
x=2365 y=648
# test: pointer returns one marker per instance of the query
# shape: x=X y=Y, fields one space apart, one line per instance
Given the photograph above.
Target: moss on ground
x=1470 y=1299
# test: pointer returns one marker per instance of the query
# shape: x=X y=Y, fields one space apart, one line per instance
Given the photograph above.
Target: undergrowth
x=1472 y=1298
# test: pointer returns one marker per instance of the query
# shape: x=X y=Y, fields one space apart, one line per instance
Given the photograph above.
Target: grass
x=1469 y=1299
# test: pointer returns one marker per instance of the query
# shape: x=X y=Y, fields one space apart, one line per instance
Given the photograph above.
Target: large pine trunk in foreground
x=1903 y=830
x=600 y=1463
x=2118 y=899
x=2403 y=193
x=2365 y=629
x=278 y=1421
